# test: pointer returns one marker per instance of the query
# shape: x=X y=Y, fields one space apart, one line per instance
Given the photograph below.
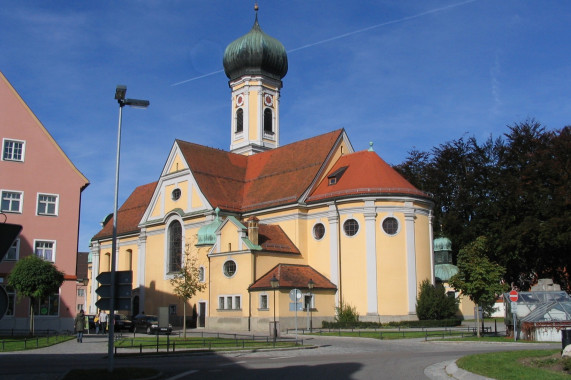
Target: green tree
x=186 y=283
x=478 y=278
x=433 y=303
x=515 y=190
x=35 y=278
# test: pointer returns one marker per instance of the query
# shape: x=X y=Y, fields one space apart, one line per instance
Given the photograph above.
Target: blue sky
x=404 y=74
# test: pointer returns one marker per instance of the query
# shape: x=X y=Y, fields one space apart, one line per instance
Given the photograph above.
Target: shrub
x=346 y=313
x=433 y=302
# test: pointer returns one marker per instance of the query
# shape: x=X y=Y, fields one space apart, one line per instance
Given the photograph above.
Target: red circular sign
x=513 y=296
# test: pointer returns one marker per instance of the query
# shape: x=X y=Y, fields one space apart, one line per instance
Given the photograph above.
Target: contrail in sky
x=436 y=10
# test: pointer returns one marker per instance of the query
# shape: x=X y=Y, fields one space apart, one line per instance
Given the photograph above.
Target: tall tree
x=35 y=278
x=187 y=282
x=515 y=190
x=478 y=278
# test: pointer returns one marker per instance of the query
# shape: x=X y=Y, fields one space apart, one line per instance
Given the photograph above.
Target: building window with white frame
x=81 y=292
x=201 y=274
x=264 y=302
x=47 y=204
x=308 y=302
x=12 y=201
x=13 y=150
x=45 y=249
x=14 y=251
x=175 y=246
x=229 y=302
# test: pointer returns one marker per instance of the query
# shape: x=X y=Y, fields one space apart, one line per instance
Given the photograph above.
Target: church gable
x=230 y=236
x=177 y=189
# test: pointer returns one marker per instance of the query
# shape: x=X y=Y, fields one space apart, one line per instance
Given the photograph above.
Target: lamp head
x=120 y=92
x=274 y=282
x=310 y=284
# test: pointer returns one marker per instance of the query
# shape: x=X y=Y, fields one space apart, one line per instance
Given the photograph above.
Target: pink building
x=40 y=190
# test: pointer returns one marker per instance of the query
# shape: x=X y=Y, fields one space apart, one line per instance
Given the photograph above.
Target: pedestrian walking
x=96 y=322
x=103 y=321
x=79 y=325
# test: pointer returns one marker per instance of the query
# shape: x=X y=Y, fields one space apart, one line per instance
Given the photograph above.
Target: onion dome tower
x=255 y=65
x=443 y=267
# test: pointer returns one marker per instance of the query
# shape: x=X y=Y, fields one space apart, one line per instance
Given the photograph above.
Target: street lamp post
x=275 y=284
x=310 y=286
x=120 y=92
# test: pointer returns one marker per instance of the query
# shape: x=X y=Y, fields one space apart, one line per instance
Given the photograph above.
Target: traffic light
x=123 y=286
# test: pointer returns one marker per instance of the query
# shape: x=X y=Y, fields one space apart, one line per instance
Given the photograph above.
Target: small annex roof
x=366 y=173
x=130 y=213
x=273 y=239
x=292 y=276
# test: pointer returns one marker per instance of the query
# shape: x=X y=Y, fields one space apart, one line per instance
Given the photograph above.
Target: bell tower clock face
x=268 y=100
x=240 y=100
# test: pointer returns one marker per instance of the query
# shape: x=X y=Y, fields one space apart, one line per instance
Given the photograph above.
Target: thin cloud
x=345 y=35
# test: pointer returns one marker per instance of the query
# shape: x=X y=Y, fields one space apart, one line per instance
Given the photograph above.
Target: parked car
x=122 y=323
x=150 y=325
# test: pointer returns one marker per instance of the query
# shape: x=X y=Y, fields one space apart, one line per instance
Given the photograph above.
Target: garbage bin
x=565 y=338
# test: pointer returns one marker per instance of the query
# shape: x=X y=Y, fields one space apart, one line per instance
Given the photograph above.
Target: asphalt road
x=334 y=358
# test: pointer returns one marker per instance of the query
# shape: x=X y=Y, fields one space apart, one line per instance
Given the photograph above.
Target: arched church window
x=175 y=246
x=239 y=120
x=268 y=127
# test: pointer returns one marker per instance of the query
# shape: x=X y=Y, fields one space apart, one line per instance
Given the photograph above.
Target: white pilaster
x=333 y=219
x=410 y=261
x=95 y=267
x=371 y=254
x=142 y=259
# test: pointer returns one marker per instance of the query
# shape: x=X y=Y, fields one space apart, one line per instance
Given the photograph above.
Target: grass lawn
x=17 y=343
x=501 y=339
x=403 y=334
x=518 y=365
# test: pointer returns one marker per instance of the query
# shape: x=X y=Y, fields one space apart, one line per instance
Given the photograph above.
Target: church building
x=263 y=219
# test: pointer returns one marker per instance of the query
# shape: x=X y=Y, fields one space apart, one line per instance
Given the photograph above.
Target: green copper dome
x=442 y=244
x=207 y=234
x=444 y=272
x=255 y=53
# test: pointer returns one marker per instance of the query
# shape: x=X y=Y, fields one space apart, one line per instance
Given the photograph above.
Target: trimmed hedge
x=409 y=324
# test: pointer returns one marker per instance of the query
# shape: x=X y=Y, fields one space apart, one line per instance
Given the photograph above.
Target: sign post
x=514 y=296
x=295 y=296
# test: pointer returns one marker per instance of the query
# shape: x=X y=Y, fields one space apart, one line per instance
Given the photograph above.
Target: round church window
x=176 y=193
x=351 y=227
x=229 y=268
x=318 y=231
x=390 y=226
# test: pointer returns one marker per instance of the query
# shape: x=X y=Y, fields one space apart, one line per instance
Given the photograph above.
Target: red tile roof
x=273 y=239
x=235 y=182
x=366 y=173
x=293 y=276
x=130 y=213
